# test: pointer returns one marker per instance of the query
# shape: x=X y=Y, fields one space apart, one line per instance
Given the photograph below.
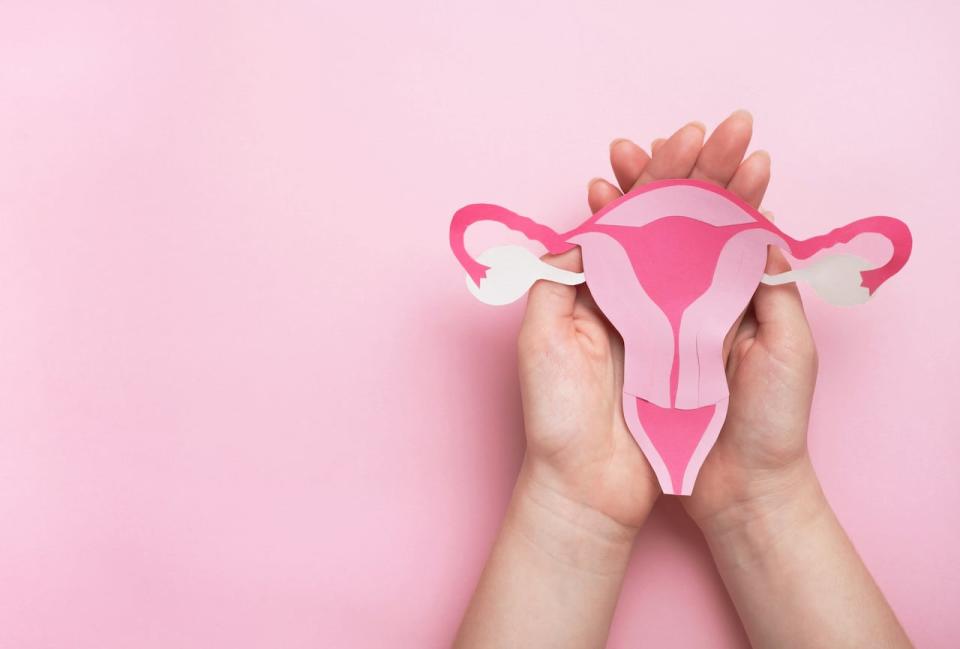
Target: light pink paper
x=672 y=265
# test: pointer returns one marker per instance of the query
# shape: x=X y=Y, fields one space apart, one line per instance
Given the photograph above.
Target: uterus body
x=672 y=266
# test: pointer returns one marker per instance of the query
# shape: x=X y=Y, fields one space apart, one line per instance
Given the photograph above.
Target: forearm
x=553 y=577
x=793 y=574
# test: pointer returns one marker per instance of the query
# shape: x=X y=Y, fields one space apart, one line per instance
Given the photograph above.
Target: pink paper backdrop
x=245 y=397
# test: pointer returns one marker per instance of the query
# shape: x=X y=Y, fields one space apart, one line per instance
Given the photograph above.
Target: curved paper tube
x=672 y=265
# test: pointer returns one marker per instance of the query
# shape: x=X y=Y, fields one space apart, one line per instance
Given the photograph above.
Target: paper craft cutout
x=511 y=271
x=672 y=265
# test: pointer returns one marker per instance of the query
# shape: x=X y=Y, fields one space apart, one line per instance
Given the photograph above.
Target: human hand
x=760 y=460
x=571 y=359
x=571 y=380
x=760 y=456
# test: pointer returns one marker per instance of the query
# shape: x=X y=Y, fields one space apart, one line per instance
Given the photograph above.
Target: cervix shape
x=672 y=265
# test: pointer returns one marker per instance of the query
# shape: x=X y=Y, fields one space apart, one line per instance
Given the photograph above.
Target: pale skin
x=585 y=488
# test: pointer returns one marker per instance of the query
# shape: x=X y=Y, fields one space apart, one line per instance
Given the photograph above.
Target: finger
x=628 y=161
x=723 y=152
x=548 y=301
x=656 y=144
x=751 y=178
x=778 y=307
x=600 y=192
x=676 y=157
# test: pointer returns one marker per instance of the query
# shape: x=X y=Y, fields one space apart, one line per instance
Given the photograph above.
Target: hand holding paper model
x=672 y=265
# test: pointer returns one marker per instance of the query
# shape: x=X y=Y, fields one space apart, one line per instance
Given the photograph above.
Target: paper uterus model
x=672 y=265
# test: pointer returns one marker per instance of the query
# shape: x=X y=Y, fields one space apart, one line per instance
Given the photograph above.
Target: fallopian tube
x=672 y=265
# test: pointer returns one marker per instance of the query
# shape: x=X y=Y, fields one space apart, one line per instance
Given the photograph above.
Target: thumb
x=550 y=301
x=778 y=308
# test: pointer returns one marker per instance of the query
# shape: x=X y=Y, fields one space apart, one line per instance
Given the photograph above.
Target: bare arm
x=793 y=574
x=553 y=577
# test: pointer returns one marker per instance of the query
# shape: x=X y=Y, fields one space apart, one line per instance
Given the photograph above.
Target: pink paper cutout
x=675 y=434
x=672 y=264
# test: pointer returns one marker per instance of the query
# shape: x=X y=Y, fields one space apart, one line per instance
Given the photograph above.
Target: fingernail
x=762 y=153
x=617 y=141
x=699 y=125
x=742 y=112
x=593 y=180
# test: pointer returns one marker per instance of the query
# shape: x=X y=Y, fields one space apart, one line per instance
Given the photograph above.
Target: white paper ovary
x=512 y=270
x=835 y=278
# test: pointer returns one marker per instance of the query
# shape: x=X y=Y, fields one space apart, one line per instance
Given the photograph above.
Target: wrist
x=569 y=532
x=771 y=510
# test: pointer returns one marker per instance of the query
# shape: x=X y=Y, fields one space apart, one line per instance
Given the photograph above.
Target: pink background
x=245 y=397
